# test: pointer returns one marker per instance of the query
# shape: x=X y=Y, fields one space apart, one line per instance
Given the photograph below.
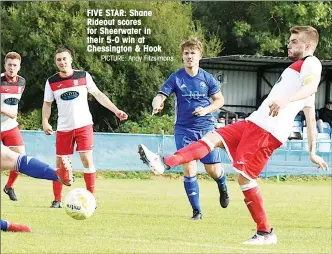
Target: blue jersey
x=191 y=92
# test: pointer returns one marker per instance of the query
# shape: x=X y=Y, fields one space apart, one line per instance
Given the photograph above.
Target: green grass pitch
x=152 y=216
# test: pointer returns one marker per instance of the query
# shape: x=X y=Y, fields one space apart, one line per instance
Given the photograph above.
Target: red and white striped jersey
x=288 y=83
x=71 y=96
x=11 y=93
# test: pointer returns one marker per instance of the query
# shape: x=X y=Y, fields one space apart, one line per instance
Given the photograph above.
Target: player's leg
x=196 y=150
x=217 y=172
x=212 y=164
x=182 y=139
x=13 y=174
x=57 y=187
x=64 y=148
x=13 y=227
x=252 y=154
x=254 y=202
x=34 y=168
x=14 y=140
x=84 y=140
x=89 y=170
x=191 y=187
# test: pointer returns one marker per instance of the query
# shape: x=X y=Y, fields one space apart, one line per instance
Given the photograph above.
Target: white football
x=80 y=203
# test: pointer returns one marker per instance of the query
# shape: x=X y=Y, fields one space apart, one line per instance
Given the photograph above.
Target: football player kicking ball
x=250 y=143
x=32 y=167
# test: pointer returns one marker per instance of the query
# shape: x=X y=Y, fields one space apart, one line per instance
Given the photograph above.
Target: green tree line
x=37 y=29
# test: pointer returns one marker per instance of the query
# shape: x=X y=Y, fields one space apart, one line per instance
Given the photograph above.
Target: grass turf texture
x=152 y=216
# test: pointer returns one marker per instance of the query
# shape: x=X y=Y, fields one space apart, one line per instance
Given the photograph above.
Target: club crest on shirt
x=75 y=82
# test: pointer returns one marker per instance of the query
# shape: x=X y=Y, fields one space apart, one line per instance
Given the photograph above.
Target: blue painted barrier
x=118 y=151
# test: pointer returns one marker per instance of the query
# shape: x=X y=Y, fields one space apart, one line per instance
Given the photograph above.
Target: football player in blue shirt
x=197 y=96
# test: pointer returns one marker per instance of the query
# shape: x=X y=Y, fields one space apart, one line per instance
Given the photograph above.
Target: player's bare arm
x=107 y=103
x=12 y=113
x=311 y=132
x=310 y=85
x=46 y=113
x=218 y=102
x=158 y=103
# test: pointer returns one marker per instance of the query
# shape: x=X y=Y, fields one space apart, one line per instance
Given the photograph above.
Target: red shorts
x=12 y=138
x=65 y=140
x=248 y=146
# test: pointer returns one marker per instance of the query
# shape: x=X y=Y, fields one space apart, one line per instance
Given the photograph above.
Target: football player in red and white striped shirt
x=12 y=87
x=250 y=143
x=70 y=88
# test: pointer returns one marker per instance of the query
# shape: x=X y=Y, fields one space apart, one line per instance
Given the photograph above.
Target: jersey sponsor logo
x=194 y=95
x=70 y=95
x=11 y=101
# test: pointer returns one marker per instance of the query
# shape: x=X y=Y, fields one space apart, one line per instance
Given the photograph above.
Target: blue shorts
x=184 y=138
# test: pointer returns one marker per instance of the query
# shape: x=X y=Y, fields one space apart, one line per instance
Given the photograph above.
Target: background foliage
x=263 y=27
x=36 y=29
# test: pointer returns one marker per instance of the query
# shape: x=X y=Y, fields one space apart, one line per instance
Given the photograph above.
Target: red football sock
x=90 y=181
x=254 y=202
x=13 y=174
x=194 y=151
x=57 y=190
x=18 y=228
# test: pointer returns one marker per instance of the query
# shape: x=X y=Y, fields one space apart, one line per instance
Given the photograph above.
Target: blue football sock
x=35 y=168
x=192 y=190
x=222 y=179
x=4 y=225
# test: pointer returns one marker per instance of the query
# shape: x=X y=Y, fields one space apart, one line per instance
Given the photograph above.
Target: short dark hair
x=329 y=101
x=62 y=49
